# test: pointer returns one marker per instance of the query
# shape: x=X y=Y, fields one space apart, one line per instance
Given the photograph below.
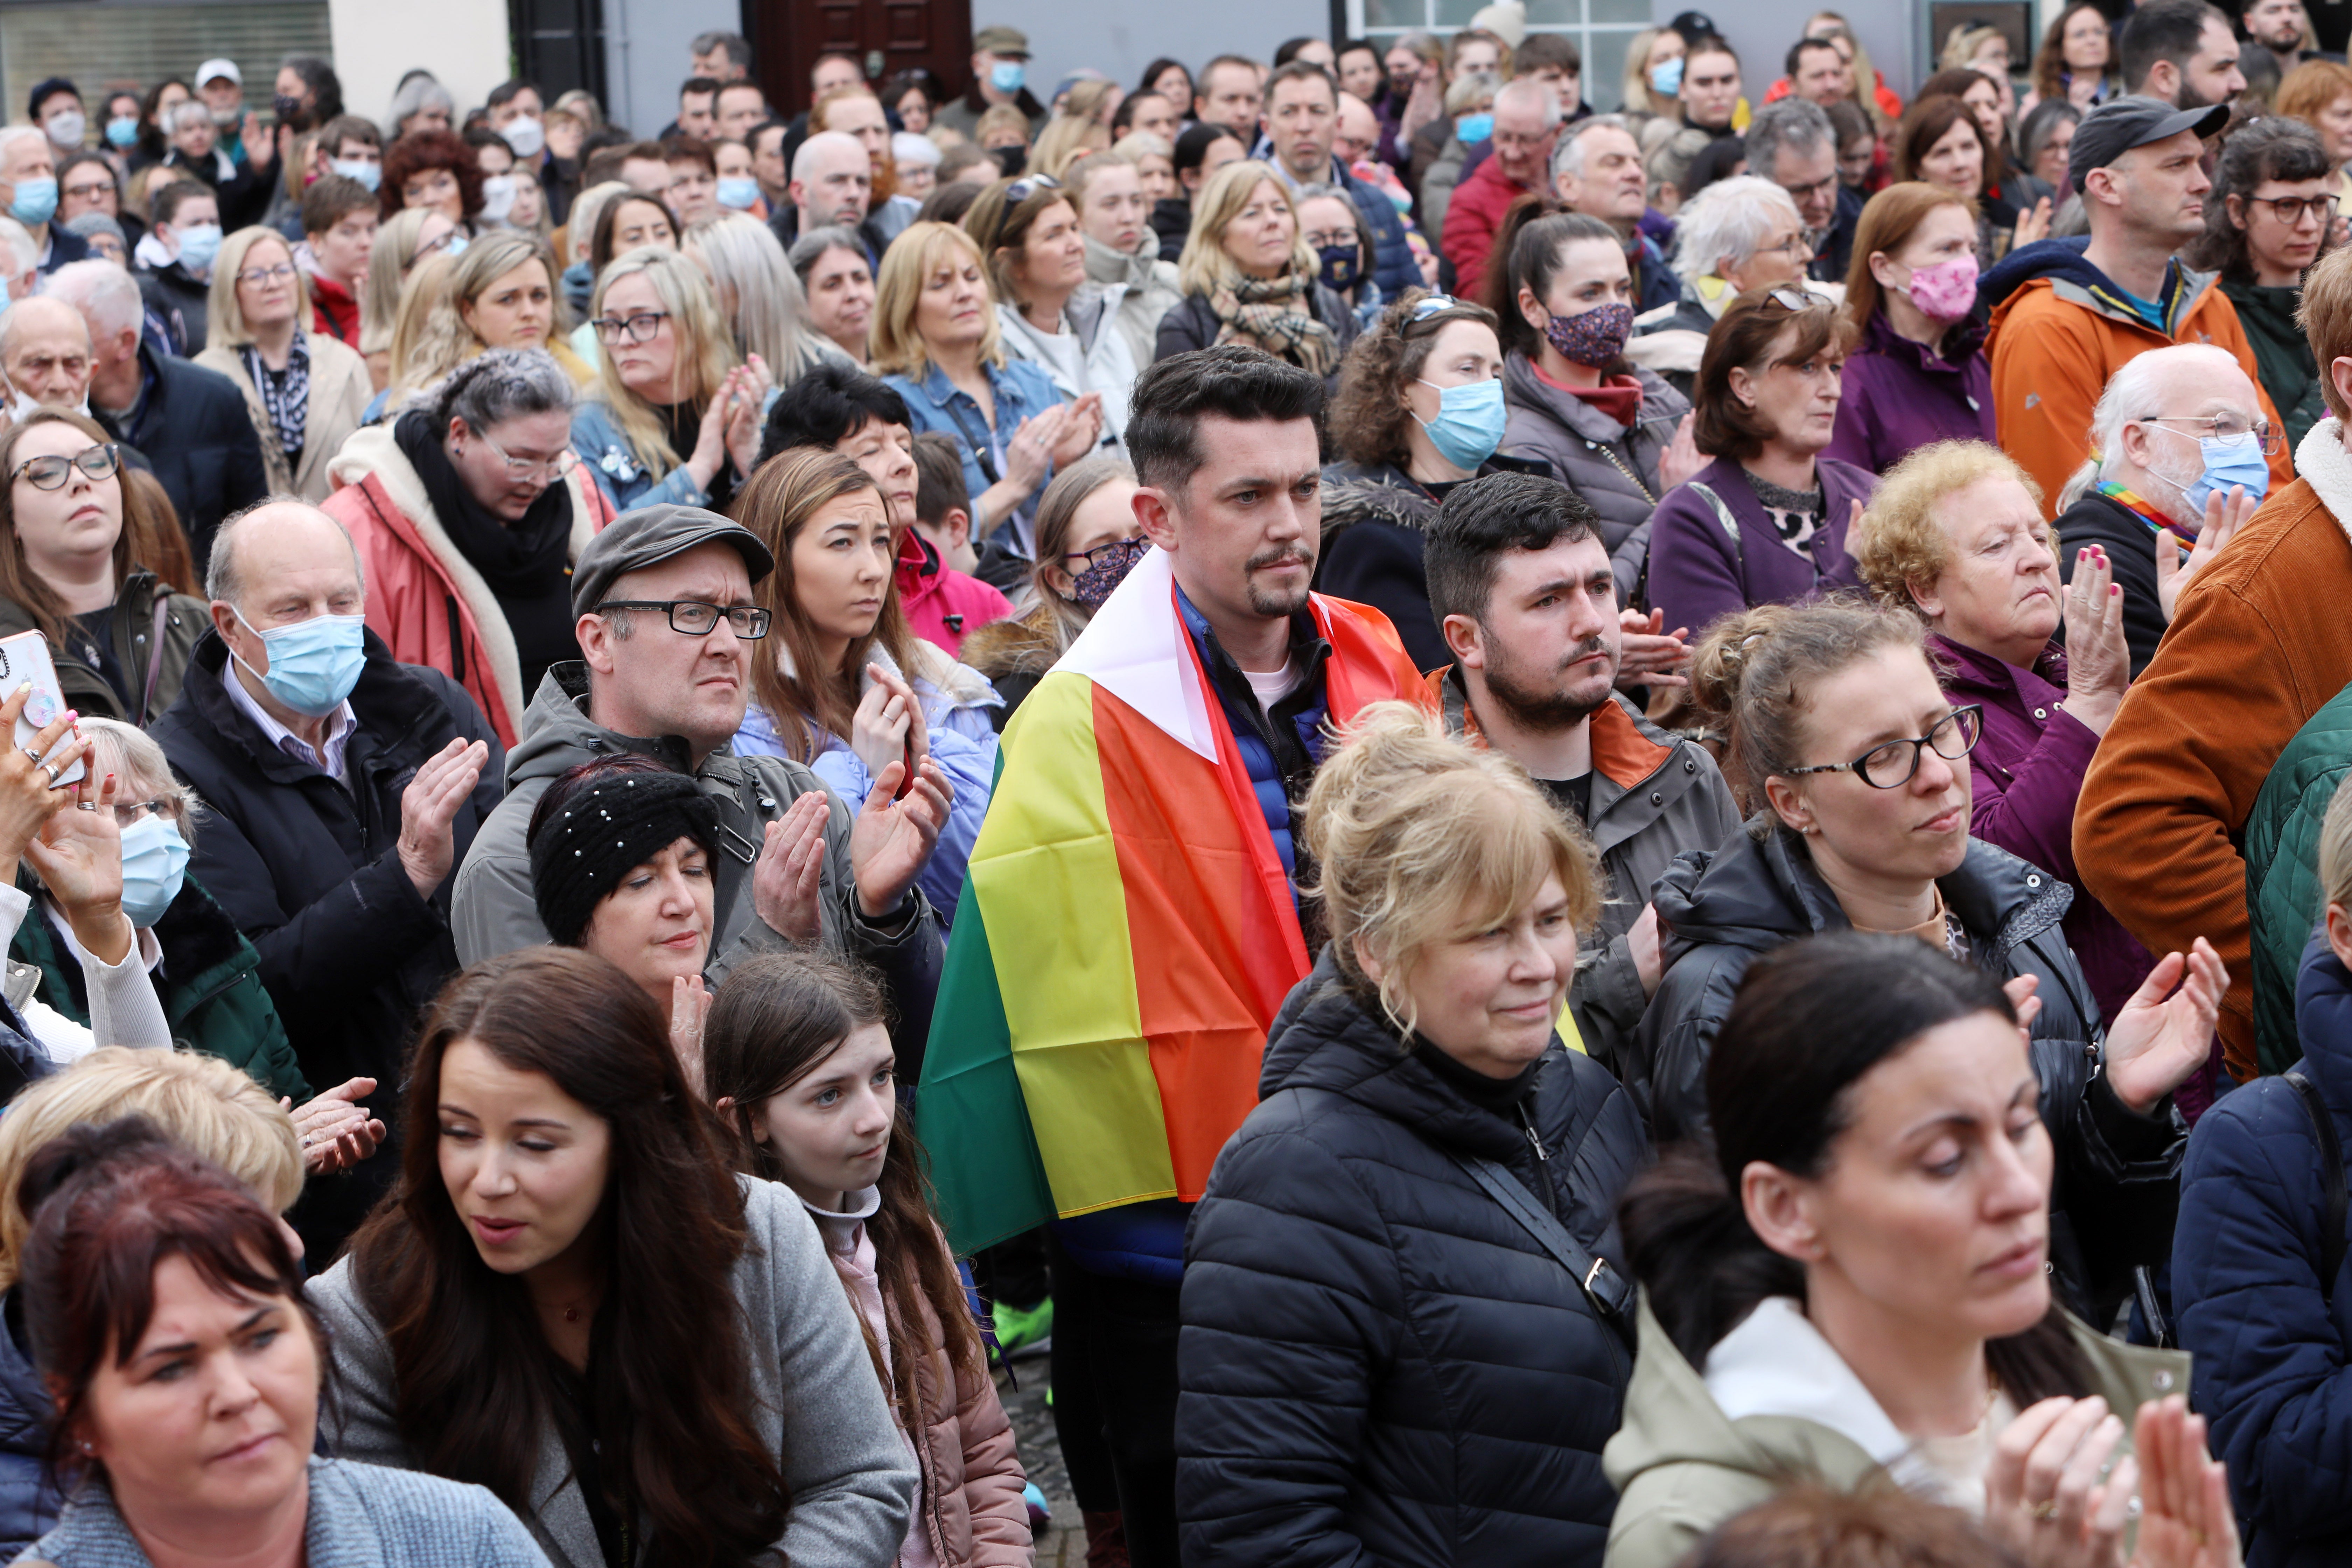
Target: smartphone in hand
x=25 y=659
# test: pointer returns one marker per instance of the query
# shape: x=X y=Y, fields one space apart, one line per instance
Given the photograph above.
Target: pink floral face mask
x=1945 y=291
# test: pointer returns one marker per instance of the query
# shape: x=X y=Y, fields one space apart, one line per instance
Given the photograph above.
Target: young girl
x=799 y=1064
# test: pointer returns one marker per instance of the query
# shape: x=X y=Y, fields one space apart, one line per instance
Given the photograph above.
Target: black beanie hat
x=601 y=832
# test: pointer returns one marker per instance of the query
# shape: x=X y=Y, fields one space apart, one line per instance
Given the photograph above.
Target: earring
x=87 y=1447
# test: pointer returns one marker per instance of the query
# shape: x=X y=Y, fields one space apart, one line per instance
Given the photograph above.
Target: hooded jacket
x=1090 y=355
x=2271 y=1347
x=2289 y=371
x=427 y=601
x=1151 y=291
x=1899 y=394
x=494 y=911
x=2059 y=330
x=1655 y=794
x=1445 y=1385
x=334 y=313
x=1613 y=466
x=942 y=605
x=1683 y=1467
x=2159 y=829
x=2115 y=1188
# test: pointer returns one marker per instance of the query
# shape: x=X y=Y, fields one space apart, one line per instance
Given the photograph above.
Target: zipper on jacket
x=1527 y=1125
x=456 y=638
x=1615 y=463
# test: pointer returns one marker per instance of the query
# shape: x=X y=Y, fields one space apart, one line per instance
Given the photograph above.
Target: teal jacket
x=2283 y=898
x=210 y=985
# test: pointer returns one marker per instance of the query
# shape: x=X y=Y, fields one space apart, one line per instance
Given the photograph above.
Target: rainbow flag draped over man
x=1128 y=932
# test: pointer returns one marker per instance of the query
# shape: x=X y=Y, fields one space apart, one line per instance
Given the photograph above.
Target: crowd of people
x=1531 y=834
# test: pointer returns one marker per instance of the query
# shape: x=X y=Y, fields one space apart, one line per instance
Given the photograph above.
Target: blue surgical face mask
x=1477 y=127
x=199 y=243
x=155 y=863
x=1666 y=80
x=366 y=171
x=1469 y=423
x=313 y=664
x=37 y=199
x=2229 y=460
x=739 y=192
x=1008 y=76
x=123 y=130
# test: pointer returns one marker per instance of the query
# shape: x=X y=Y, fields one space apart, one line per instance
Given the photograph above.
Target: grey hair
x=136 y=752
x=810 y=247
x=1730 y=218
x=2132 y=394
x=757 y=290
x=501 y=385
x=96 y=222
x=102 y=291
x=187 y=112
x=11 y=135
x=1568 y=158
x=418 y=93
x=19 y=240
x=1797 y=123
x=1469 y=88
x=738 y=51
x=222 y=585
x=1522 y=87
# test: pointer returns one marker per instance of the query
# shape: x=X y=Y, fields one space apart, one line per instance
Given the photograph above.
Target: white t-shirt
x=1273 y=686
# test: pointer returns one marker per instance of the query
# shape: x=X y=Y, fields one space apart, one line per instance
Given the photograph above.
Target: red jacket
x=1471 y=220
x=334 y=313
x=943 y=606
x=424 y=599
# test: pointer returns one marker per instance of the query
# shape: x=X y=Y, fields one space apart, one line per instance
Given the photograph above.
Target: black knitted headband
x=602 y=833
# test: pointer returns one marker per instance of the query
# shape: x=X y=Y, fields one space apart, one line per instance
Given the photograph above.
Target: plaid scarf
x=285 y=394
x=1276 y=315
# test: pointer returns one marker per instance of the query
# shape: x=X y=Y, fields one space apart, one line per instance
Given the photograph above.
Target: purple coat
x=2027 y=770
x=1899 y=396
x=1702 y=568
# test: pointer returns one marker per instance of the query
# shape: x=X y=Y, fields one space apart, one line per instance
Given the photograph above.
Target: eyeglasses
x=696 y=618
x=1890 y=766
x=126 y=814
x=2225 y=428
x=49 y=473
x=1822 y=187
x=281 y=273
x=91 y=193
x=2293 y=210
x=1795 y=245
x=1088 y=556
x=1020 y=190
x=520 y=468
x=1318 y=239
x=639 y=327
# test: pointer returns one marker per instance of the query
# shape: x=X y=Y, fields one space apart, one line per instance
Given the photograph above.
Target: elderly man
x=189 y=423
x=2066 y=317
x=2152 y=484
x=45 y=352
x=1000 y=74
x=29 y=193
x=1526 y=121
x=1596 y=170
x=833 y=183
x=2182 y=52
x=651 y=680
x=2259 y=641
x=1302 y=123
x=1792 y=145
x=722 y=57
x=341 y=790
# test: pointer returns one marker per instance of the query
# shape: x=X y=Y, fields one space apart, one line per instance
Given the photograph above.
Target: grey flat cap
x=652 y=534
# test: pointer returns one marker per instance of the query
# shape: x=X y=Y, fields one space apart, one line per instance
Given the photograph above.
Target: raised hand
x=2163 y=1034
x=1081 y=429
x=878 y=730
x=2223 y=516
x=78 y=857
x=1030 y=451
x=335 y=1131
x=786 y=883
x=892 y=840
x=2045 y=1497
x=1682 y=459
x=28 y=798
x=2186 y=1521
x=428 y=811
x=689 y=1007
x=1652 y=656
x=2098 y=660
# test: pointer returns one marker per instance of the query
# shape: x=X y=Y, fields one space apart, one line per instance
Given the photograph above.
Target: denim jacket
x=1022 y=391
x=606 y=454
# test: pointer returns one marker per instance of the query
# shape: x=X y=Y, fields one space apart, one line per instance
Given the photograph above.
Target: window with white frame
x=1601 y=28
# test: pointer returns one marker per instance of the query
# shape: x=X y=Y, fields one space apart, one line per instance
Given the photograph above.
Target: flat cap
x=650 y=535
x=1000 y=40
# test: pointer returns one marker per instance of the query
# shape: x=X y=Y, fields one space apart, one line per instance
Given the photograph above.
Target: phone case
x=26 y=657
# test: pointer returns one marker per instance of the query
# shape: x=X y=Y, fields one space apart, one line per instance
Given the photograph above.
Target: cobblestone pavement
x=1064 y=1544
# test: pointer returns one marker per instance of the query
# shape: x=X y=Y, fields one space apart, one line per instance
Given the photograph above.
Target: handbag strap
x=2331 y=1177
x=1611 y=1294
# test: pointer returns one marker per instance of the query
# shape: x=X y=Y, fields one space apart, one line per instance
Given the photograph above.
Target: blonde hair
x=138 y=761
x=579 y=224
x=1901 y=540
x=893 y=345
x=757 y=291
x=1204 y=267
x=2334 y=849
x=1065 y=139
x=1004 y=117
x=225 y=324
x=423 y=349
x=1421 y=838
x=396 y=247
x=486 y=261
x=200 y=1101
x=706 y=350
x=1137 y=145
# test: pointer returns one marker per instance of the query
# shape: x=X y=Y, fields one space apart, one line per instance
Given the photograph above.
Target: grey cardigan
x=813 y=1394
x=362 y=1516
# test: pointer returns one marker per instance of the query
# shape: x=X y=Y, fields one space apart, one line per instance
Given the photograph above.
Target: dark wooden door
x=559 y=45
x=887 y=36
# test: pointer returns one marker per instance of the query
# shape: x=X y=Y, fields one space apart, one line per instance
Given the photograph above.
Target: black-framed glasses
x=1089 y=556
x=1893 y=764
x=2292 y=210
x=696 y=618
x=636 y=328
x=50 y=472
x=2226 y=427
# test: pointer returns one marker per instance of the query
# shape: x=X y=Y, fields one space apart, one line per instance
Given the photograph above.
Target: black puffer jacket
x=1377 y=1363
x=2117 y=1182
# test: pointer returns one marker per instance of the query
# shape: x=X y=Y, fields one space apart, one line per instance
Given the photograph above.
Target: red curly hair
x=419 y=150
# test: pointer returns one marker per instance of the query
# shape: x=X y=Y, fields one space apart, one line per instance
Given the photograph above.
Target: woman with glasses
x=1955 y=536
x=468 y=512
x=2270 y=216
x=1249 y=279
x=628 y=222
x=1918 y=372
x=1856 y=765
x=305 y=392
x=673 y=415
x=1047 y=313
x=70 y=569
x=1767 y=520
x=1088 y=540
x=842 y=685
x=1735 y=235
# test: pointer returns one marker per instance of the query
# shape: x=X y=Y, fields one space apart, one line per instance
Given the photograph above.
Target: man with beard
x=2182 y=52
x=1132 y=920
x=1520 y=584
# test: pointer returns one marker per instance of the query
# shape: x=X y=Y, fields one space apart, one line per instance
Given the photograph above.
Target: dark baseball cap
x=653 y=534
x=1693 y=26
x=2120 y=124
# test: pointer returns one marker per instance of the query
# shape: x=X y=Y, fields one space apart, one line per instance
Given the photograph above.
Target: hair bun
x=80 y=1149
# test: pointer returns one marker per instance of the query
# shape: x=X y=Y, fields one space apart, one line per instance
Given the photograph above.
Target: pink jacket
x=943 y=606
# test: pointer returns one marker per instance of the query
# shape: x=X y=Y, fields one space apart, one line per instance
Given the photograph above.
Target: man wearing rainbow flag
x=1133 y=921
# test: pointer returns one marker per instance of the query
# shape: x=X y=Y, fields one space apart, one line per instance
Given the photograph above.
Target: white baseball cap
x=212 y=70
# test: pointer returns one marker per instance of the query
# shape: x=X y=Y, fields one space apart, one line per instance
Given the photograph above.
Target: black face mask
x=1012 y=160
x=289 y=112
